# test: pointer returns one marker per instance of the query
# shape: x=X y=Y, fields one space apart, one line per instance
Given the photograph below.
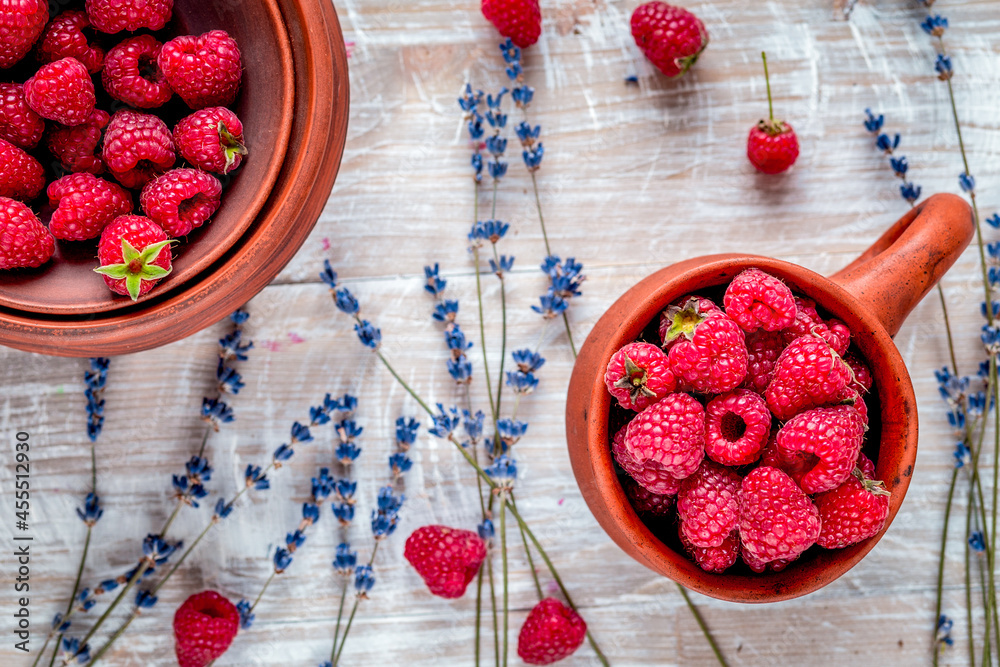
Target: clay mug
x=872 y=295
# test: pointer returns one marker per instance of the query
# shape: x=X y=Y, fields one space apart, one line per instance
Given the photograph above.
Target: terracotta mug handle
x=899 y=269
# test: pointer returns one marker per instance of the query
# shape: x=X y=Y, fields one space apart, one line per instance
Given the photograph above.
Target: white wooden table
x=635 y=177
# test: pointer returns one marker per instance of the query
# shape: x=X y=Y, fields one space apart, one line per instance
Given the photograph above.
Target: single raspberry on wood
x=64 y=38
x=708 y=504
x=84 y=205
x=204 y=70
x=645 y=501
x=21 y=23
x=757 y=300
x=671 y=37
x=204 y=627
x=137 y=148
x=707 y=353
x=181 y=200
x=134 y=254
x=777 y=520
x=639 y=375
x=551 y=632
x=736 y=427
x=763 y=350
x=132 y=75
x=713 y=559
x=650 y=475
x=670 y=433
x=62 y=91
x=809 y=373
x=829 y=439
x=853 y=512
x=18 y=123
x=24 y=240
x=520 y=20
x=21 y=176
x=772 y=146
x=113 y=16
x=446 y=558
x=211 y=139
x=76 y=147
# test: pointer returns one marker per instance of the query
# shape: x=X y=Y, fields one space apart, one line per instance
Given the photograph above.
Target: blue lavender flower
x=157 y=550
x=503 y=471
x=346 y=302
x=527 y=361
x=256 y=478
x=486 y=530
x=406 y=432
x=348 y=430
x=533 y=156
x=995 y=307
x=328 y=275
x=991 y=339
x=239 y=316
x=385 y=518
x=344 y=490
x=943 y=67
x=456 y=341
x=460 y=369
x=873 y=123
x=282 y=559
x=445 y=422
x=72 y=651
x=469 y=101
x=526 y=133
x=473 y=424
x=521 y=382
x=495 y=102
x=216 y=412
x=345 y=559
x=347 y=452
x=488 y=230
x=282 y=454
x=511 y=430
x=503 y=266
x=496 y=145
x=344 y=513
x=310 y=513
x=522 y=96
x=95 y=380
x=322 y=486
x=956 y=419
x=85 y=600
x=935 y=25
x=476 y=128
x=294 y=540
x=943 y=633
x=551 y=305
x=445 y=311
x=510 y=52
x=363 y=580
x=347 y=403
x=229 y=380
x=222 y=509
x=886 y=143
x=477 y=166
x=145 y=599
x=399 y=463
x=953 y=389
x=92 y=511
x=566 y=277
x=388 y=502
x=232 y=347
x=246 y=616
x=977 y=543
x=318 y=415
x=967 y=182
x=497 y=169
x=435 y=283
x=910 y=192
x=899 y=166
x=368 y=334
x=994 y=221
x=60 y=625
x=189 y=493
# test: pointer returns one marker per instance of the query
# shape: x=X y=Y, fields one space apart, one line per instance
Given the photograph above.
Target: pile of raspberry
x=745 y=427
x=97 y=121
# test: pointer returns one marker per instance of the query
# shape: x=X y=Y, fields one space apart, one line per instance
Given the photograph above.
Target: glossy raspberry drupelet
x=64 y=38
x=446 y=558
x=763 y=350
x=772 y=147
x=24 y=240
x=18 y=123
x=713 y=559
x=865 y=466
x=708 y=354
x=756 y=300
x=551 y=632
x=862 y=381
x=650 y=475
x=639 y=375
x=838 y=335
x=760 y=566
x=113 y=16
x=137 y=148
x=204 y=70
x=132 y=75
x=520 y=20
x=645 y=501
x=133 y=272
x=76 y=147
x=777 y=520
x=853 y=512
x=61 y=91
x=83 y=205
x=21 y=23
x=829 y=439
x=670 y=433
x=808 y=374
x=736 y=427
x=708 y=504
x=808 y=321
x=21 y=176
x=211 y=139
x=850 y=396
x=204 y=627
x=181 y=200
x=671 y=37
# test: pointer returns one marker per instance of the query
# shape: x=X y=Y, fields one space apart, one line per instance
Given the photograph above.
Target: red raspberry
x=679 y=319
x=777 y=520
x=132 y=75
x=645 y=501
x=21 y=22
x=134 y=254
x=650 y=475
x=204 y=627
x=807 y=321
x=550 y=633
x=75 y=147
x=829 y=439
x=710 y=357
x=708 y=504
x=61 y=91
x=18 y=123
x=84 y=205
x=757 y=300
x=64 y=38
x=713 y=559
x=204 y=70
x=181 y=200
x=113 y=16
x=772 y=147
x=639 y=375
x=137 y=148
x=21 y=176
x=521 y=20
x=853 y=512
x=763 y=350
x=670 y=433
x=760 y=566
x=808 y=374
x=862 y=380
x=736 y=427
x=446 y=558
x=865 y=465
x=848 y=396
x=211 y=139
x=24 y=240
x=671 y=37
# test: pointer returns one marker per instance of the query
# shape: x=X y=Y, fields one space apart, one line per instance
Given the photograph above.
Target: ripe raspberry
x=777 y=520
x=865 y=465
x=708 y=504
x=75 y=147
x=24 y=241
x=807 y=320
x=446 y=558
x=21 y=176
x=18 y=123
x=736 y=427
x=862 y=380
x=21 y=22
x=671 y=37
x=710 y=357
x=132 y=75
x=84 y=205
x=211 y=139
x=520 y=20
x=672 y=326
x=808 y=374
x=134 y=254
x=713 y=559
x=64 y=38
x=181 y=200
x=670 y=433
x=113 y=16
x=137 y=148
x=645 y=501
x=848 y=396
x=763 y=350
x=756 y=300
x=61 y=91
x=550 y=633
x=760 y=566
x=772 y=147
x=639 y=375
x=853 y=512
x=204 y=70
x=204 y=627
x=829 y=439
x=650 y=475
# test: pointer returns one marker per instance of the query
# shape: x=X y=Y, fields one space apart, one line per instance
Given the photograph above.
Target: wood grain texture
x=635 y=177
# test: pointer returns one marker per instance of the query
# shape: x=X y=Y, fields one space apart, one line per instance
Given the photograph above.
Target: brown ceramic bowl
x=872 y=295
x=294 y=106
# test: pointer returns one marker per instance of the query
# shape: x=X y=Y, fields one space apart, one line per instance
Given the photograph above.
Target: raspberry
x=61 y=91
x=829 y=439
x=75 y=147
x=132 y=75
x=848 y=396
x=84 y=205
x=853 y=512
x=645 y=501
x=446 y=558
x=763 y=350
x=650 y=475
x=64 y=38
x=713 y=559
x=736 y=427
x=671 y=37
x=772 y=148
x=670 y=433
x=777 y=520
x=21 y=176
x=862 y=380
x=807 y=321
x=181 y=200
x=865 y=465
x=707 y=353
x=550 y=633
x=204 y=627
x=134 y=254
x=639 y=375
x=671 y=326
x=808 y=374
x=24 y=241
x=760 y=566
x=18 y=123
x=211 y=139
x=520 y=20
x=708 y=504
x=756 y=300
x=113 y=16
x=21 y=22
x=137 y=148
x=204 y=70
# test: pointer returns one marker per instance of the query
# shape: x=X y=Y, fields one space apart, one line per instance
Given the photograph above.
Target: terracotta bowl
x=872 y=295
x=294 y=106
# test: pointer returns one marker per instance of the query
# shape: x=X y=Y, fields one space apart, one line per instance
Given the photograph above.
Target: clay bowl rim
x=592 y=455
